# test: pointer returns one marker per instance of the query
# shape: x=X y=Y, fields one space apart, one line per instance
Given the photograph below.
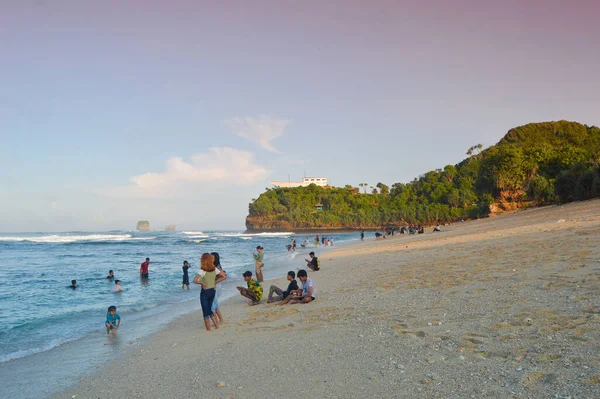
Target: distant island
x=532 y=165
x=143 y=225
x=170 y=227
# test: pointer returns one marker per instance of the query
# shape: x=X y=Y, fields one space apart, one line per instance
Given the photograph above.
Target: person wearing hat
x=258 y=259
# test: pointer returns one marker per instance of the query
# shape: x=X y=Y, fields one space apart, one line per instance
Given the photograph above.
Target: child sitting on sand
x=113 y=320
x=254 y=292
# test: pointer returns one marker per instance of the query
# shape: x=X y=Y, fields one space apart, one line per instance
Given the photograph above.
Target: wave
x=254 y=234
x=54 y=238
x=197 y=236
x=192 y=232
x=46 y=347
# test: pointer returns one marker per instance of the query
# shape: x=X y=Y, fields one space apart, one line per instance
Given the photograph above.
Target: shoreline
x=500 y=307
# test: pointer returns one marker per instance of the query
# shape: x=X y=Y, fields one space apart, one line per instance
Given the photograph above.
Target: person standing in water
x=186 y=277
x=362 y=235
x=144 y=268
x=258 y=259
x=207 y=278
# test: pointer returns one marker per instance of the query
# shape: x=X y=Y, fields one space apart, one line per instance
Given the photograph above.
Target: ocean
x=43 y=322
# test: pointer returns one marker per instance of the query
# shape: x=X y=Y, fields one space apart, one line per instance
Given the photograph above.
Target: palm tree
x=364 y=186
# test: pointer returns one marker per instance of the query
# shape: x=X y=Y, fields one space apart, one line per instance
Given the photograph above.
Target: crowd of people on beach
x=211 y=275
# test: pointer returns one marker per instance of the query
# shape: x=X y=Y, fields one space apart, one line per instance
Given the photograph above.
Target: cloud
x=261 y=130
x=220 y=164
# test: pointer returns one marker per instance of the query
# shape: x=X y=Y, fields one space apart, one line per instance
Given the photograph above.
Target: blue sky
x=97 y=100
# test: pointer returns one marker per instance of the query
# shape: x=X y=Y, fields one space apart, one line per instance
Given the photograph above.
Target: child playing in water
x=113 y=320
x=117 y=287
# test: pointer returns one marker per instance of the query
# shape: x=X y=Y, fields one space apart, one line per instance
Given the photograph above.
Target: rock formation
x=143 y=225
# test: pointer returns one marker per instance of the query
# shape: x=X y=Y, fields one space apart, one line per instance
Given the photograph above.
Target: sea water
x=43 y=322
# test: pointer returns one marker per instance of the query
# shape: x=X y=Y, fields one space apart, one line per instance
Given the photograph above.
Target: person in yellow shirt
x=254 y=292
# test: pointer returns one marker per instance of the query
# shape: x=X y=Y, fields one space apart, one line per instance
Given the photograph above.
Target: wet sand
x=498 y=308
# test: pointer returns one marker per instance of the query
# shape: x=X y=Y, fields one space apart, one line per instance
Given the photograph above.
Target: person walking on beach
x=258 y=259
x=281 y=295
x=254 y=292
x=218 y=286
x=186 y=277
x=207 y=278
x=144 y=268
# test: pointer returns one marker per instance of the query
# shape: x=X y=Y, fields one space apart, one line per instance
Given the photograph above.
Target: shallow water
x=42 y=318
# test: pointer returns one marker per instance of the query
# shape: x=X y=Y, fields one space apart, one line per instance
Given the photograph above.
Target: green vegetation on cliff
x=535 y=164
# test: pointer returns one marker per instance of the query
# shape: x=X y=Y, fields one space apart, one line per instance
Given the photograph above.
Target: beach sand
x=505 y=307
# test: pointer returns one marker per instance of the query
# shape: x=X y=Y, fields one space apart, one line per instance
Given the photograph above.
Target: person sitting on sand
x=436 y=228
x=281 y=295
x=313 y=264
x=254 y=292
x=307 y=294
x=113 y=320
x=117 y=287
x=111 y=275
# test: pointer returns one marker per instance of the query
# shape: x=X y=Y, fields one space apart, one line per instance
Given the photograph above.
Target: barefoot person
x=207 y=278
x=306 y=295
x=313 y=263
x=113 y=320
x=258 y=259
x=254 y=292
x=218 y=286
x=186 y=278
x=281 y=294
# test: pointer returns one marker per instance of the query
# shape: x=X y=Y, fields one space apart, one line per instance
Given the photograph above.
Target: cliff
x=143 y=225
x=170 y=227
x=535 y=164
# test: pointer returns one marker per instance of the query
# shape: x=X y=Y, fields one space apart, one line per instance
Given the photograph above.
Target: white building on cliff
x=319 y=181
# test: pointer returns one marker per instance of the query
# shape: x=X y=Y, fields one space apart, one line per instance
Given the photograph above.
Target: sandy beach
x=505 y=307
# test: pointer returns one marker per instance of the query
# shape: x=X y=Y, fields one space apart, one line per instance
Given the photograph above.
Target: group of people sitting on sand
x=212 y=274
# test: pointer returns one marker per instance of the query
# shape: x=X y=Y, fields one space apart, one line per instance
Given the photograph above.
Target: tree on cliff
x=539 y=163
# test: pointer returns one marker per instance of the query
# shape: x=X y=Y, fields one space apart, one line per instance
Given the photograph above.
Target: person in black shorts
x=186 y=277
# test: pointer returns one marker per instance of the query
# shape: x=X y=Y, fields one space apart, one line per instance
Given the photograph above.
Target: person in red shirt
x=144 y=268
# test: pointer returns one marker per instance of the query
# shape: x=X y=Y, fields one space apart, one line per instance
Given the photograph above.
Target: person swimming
x=73 y=284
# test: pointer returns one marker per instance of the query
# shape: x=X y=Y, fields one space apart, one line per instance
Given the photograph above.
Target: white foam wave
x=26 y=352
x=54 y=238
x=254 y=234
x=198 y=236
x=246 y=238
x=192 y=232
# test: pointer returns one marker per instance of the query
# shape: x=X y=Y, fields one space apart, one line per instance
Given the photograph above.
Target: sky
x=181 y=112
